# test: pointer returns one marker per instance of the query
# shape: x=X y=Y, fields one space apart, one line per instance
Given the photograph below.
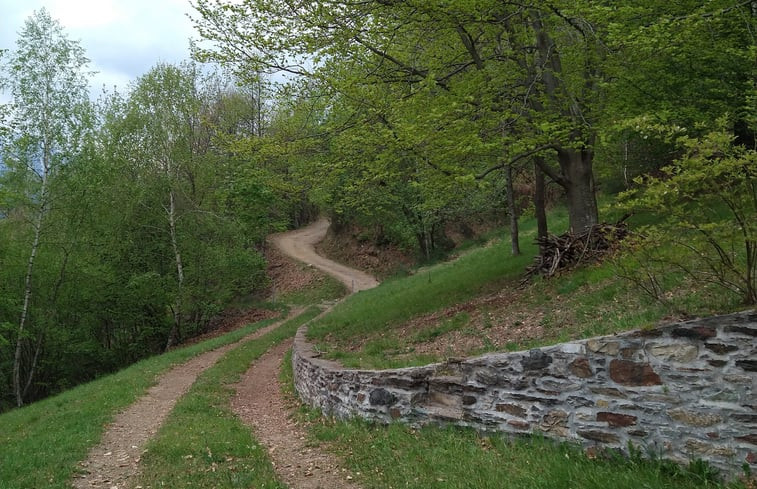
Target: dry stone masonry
x=684 y=391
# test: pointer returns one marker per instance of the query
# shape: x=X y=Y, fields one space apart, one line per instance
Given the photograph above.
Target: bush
x=707 y=205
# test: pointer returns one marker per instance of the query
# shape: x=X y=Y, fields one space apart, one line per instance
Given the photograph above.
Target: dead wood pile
x=569 y=250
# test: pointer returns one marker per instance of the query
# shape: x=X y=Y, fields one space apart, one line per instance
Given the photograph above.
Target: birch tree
x=46 y=80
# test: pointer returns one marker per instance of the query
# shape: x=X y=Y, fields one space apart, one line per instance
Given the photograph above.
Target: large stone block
x=673 y=352
x=616 y=420
x=630 y=373
x=693 y=418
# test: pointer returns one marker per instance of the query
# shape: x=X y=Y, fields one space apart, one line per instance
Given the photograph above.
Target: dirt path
x=260 y=403
x=113 y=462
x=299 y=245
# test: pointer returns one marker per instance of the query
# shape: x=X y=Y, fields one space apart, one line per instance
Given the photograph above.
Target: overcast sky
x=122 y=38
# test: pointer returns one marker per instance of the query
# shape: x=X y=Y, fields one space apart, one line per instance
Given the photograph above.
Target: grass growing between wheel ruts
x=42 y=444
x=397 y=456
x=203 y=444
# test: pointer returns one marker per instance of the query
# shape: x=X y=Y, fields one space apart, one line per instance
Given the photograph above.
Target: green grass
x=454 y=458
x=368 y=329
x=478 y=271
x=41 y=444
x=203 y=444
x=429 y=289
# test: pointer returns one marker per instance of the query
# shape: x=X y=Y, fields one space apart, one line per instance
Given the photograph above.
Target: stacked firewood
x=570 y=250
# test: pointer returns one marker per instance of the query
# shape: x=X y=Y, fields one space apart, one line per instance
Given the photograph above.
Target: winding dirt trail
x=259 y=401
x=114 y=462
x=300 y=246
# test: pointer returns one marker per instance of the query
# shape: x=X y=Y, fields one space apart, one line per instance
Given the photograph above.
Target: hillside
x=476 y=302
x=184 y=450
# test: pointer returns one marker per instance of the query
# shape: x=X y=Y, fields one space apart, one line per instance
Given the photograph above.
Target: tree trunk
x=512 y=211
x=176 y=309
x=576 y=166
x=540 y=202
x=17 y=387
x=33 y=366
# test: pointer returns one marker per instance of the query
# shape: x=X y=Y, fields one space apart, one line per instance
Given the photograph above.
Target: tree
x=678 y=65
x=506 y=60
x=709 y=200
x=46 y=80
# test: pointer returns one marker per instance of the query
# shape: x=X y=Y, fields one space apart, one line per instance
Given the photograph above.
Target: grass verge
x=454 y=458
x=203 y=444
x=42 y=443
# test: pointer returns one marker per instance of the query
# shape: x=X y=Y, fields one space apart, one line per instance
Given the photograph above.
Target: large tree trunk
x=540 y=202
x=576 y=166
x=512 y=211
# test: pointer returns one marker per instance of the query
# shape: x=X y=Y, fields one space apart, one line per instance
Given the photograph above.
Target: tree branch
x=550 y=172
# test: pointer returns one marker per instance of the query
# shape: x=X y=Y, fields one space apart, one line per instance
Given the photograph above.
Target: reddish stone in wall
x=617 y=420
x=630 y=373
x=751 y=438
x=580 y=368
x=696 y=332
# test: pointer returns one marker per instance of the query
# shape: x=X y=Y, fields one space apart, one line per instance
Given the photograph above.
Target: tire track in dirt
x=115 y=460
x=259 y=401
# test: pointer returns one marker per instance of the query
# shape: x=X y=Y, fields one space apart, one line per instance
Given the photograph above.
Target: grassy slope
x=590 y=301
x=41 y=444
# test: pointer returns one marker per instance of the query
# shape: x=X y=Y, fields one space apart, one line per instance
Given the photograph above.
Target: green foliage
x=709 y=202
x=143 y=186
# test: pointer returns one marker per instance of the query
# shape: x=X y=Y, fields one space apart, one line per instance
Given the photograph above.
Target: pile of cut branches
x=569 y=250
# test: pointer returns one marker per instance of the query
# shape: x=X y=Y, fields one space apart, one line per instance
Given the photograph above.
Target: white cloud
x=122 y=38
x=84 y=14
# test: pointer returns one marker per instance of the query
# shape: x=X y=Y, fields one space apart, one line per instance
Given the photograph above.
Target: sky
x=122 y=38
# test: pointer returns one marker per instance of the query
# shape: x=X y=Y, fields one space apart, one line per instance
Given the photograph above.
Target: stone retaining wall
x=685 y=391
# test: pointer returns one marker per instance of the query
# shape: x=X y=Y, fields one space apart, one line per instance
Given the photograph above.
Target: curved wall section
x=684 y=391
